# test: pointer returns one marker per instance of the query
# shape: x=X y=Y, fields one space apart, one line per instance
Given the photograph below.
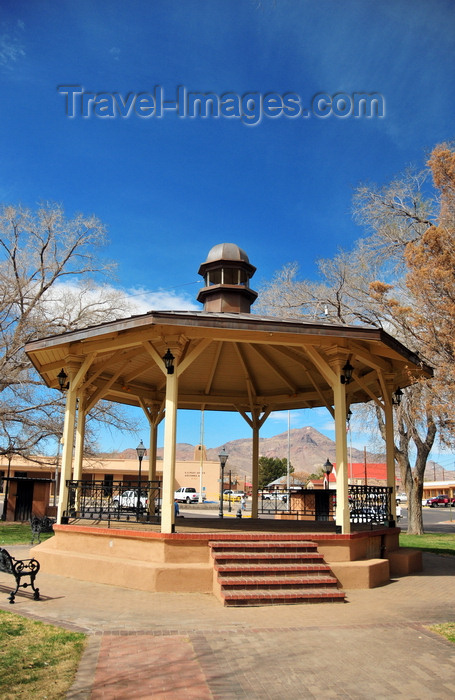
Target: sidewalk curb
x=83 y=682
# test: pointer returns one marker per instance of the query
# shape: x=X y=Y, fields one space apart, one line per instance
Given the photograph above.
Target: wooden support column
x=170 y=435
x=255 y=422
x=390 y=452
x=80 y=437
x=255 y=470
x=342 y=511
x=67 y=451
x=154 y=417
x=153 y=446
x=79 y=445
x=332 y=371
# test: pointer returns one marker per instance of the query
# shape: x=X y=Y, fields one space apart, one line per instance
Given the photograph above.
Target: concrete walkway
x=166 y=646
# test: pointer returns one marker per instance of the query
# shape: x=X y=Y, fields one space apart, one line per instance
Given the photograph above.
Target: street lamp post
x=9 y=453
x=140 y=449
x=328 y=466
x=223 y=457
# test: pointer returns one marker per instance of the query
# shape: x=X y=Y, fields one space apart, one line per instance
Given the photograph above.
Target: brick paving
x=165 y=646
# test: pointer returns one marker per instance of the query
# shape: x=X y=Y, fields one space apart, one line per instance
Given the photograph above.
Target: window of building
x=107 y=484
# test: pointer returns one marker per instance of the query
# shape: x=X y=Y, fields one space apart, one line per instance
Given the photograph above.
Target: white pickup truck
x=128 y=500
x=187 y=494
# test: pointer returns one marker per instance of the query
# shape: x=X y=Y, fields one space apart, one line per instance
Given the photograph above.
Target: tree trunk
x=415 y=519
x=414 y=478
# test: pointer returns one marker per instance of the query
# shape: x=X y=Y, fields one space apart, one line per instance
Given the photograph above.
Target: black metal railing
x=272 y=502
x=368 y=504
x=114 y=500
x=307 y=504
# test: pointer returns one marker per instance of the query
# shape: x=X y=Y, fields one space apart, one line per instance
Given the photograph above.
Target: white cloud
x=88 y=303
x=11 y=46
x=142 y=300
x=115 y=53
x=282 y=417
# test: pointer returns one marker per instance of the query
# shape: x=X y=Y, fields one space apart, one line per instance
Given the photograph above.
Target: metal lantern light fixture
x=169 y=361
x=346 y=377
x=140 y=450
x=223 y=457
x=328 y=466
x=62 y=377
x=397 y=396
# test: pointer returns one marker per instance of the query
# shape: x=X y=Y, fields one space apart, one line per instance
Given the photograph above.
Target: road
x=434 y=519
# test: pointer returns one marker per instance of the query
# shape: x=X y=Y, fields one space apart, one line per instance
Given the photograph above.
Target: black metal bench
x=20 y=569
x=40 y=525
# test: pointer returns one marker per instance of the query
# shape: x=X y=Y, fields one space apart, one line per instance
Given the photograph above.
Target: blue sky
x=170 y=188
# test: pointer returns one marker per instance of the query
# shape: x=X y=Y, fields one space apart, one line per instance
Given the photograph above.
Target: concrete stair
x=259 y=572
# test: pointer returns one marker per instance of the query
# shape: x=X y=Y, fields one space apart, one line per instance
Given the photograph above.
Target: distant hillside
x=309 y=450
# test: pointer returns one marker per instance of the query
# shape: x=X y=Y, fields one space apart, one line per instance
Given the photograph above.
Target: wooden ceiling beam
x=368 y=358
x=273 y=366
x=212 y=369
x=193 y=354
x=249 y=379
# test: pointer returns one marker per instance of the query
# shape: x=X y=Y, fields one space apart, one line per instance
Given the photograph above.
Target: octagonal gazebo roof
x=227 y=362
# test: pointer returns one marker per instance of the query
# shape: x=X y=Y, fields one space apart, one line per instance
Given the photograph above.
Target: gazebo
x=223 y=358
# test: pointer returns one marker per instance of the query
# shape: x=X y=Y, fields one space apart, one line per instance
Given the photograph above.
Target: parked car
x=274 y=496
x=441 y=500
x=128 y=500
x=233 y=495
x=187 y=494
x=401 y=497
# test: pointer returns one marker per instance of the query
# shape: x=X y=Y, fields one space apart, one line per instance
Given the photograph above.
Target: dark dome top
x=227 y=251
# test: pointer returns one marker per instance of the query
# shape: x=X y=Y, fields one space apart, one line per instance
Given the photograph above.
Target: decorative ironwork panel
x=370 y=504
x=116 y=500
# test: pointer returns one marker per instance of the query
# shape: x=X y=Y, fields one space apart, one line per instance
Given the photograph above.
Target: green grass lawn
x=446 y=630
x=443 y=543
x=18 y=533
x=36 y=660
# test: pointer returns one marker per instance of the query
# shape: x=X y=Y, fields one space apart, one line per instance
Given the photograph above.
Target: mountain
x=309 y=449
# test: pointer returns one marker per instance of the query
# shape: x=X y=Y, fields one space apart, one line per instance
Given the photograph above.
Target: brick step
x=275 y=567
x=240 y=582
x=267 y=556
x=280 y=596
x=255 y=544
x=278 y=572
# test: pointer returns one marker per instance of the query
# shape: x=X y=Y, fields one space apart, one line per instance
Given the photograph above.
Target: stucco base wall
x=132 y=560
x=405 y=561
x=361 y=574
x=181 y=562
x=368 y=545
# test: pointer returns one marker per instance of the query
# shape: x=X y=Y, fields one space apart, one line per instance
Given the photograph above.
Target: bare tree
x=50 y=282
x=395 y=278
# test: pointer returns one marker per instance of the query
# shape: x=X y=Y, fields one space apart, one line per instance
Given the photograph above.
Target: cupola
x=227 y=272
